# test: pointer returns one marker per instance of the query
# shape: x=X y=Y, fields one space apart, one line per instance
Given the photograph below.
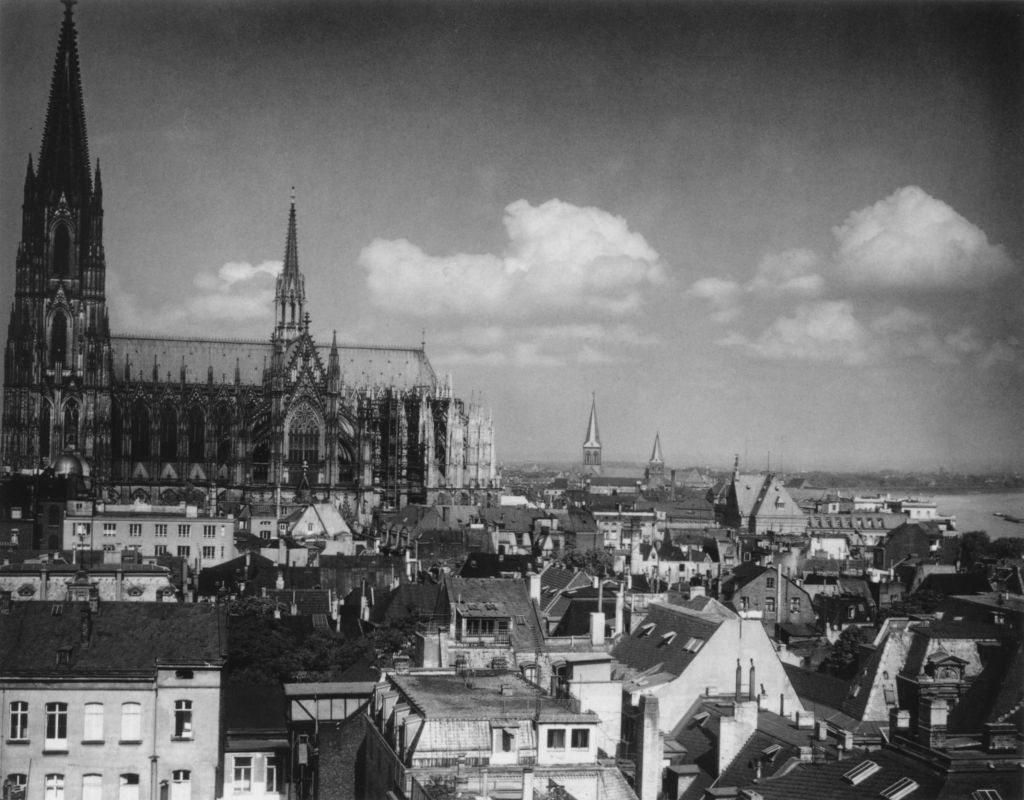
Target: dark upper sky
x=764 y=226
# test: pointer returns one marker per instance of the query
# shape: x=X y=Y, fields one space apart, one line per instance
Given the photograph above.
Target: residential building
x=764 y=593
x=111 y=700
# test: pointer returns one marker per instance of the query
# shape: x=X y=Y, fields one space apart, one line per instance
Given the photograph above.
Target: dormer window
x=63 y=656
x=666 y=638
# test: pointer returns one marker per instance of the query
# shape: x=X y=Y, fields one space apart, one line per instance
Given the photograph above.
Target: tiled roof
x=307 y=601
x=491 y=565
x=647 y=647
x=254 y=708
x=407 y=599
x=507 y=597
x=126 y=637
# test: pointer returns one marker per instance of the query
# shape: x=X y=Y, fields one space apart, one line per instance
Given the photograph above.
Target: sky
x=793 y=232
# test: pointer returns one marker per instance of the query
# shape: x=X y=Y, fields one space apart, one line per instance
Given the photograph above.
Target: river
x=975 y=512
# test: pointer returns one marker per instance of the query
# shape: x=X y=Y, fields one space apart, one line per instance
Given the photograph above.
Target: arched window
x=44 y=430
x=222 y=434
x=304 y=436
x=58 y=339
x=61 y=251
x=196 y=434
x=140 y=432
x=116 y=431
x=71 y=417
x=260 y=463
x=168 y=434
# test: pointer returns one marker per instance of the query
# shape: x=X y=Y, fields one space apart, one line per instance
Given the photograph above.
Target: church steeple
x=592 y=444
x=656 y=457
x=290 y=293
x=64 y=156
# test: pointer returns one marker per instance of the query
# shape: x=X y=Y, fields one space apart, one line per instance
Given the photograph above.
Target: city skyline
x=750 y=228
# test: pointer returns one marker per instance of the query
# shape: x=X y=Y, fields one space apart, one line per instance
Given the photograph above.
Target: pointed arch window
x=196 y=434
x=58 y=339
x=304 y=436
x=44 y=430
x=61 y=251
x=222 y=434
x=168 y=434
x=116 y=431
x=140 y=432
x=71 y=418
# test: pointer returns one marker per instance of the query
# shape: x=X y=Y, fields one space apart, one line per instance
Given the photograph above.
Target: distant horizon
x=759 y=227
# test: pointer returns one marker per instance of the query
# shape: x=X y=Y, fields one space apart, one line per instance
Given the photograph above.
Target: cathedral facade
x=164 y=419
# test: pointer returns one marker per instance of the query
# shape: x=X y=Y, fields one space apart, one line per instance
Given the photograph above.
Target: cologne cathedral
x=163 y=419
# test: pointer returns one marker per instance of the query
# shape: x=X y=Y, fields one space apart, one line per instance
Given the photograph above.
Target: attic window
x=63 y=656
x=666 y=638
x=694 y=644
x=863 y=770
x=701 y=718
x=986 y=794
x=645 y=630
x=770 y=752
x=184 y=674
x=56 y=611
x=900 y=789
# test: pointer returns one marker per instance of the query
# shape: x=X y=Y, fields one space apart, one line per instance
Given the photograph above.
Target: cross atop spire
x=64 y=155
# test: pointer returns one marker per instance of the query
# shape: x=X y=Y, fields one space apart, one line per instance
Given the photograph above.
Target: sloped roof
x=408 y=598
x=491 y=565
x=646 y=647
x=498 y=597
x=126 y=637
x=307 y=601
x=250 y=708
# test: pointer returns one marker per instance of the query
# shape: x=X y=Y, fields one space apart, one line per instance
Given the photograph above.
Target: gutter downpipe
x=154 y=758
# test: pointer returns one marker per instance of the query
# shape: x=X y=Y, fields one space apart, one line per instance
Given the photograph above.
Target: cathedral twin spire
x=290 y=292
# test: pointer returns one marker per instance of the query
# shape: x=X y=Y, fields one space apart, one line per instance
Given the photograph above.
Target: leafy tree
x=1007 y=547
x=918 y=604
x=844 y=654
x=974 y=546
x=594 y=560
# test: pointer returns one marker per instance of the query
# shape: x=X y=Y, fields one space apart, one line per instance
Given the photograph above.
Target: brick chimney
x=932 y=716
x=649 y=750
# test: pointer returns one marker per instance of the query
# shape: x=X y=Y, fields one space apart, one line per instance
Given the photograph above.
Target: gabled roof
x=649 y=648
x=125 y=638
x=498 y=597
x=492 y=565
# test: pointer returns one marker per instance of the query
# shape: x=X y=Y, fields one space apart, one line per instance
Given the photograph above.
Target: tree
x=594 y=560
x=1007 y=547
x=974 y=546
x=843 y=656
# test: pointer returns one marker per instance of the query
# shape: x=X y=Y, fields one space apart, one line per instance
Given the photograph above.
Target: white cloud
x=723 y=295
x=913 y=240
x=237 y=294
x=789 y=272
x=558 y=256
x=824 y=331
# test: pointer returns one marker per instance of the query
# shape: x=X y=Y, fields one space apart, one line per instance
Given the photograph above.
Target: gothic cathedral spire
x=592 y=444
x=290 y=293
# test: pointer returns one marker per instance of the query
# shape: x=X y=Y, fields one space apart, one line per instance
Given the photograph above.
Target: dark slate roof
x=307 y=601
x=250 y=708
x=817 y=780
x=646 y=648
x=575 y=620
x=955 y=583
x=126 y=637
x=491 y=565
x=817 y=690
x=508 y=598
x=414 y=599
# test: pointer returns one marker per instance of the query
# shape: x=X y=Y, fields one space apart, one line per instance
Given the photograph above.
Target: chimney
x=597 y=627
x=527 y=784
x=899 y=721
x=649 y=749
x=752 y=688
x=534 y=579
x=932 y=715
x=739 y=680
x=735 y=731
x=620 y=609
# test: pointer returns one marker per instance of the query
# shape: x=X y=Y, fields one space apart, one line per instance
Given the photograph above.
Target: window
x=209 y=531
x=110 y=548
x=851 y=612
x=110 y=529
x=57 y=729
x=19 y=721
x=183 y=719
x=92 y=787
x=744 y=603
x=580 y=739
x=242 y=779
x=184 y=550
x=129 y=787
x=794 y=605
x=181 y=785
x=184 y=531
x=769 y=605
x=135 y=529
x=556 y=739
x=18 y=781
x=508 y=741
x=160 y=529
x=131 y=722
x=54 y=787
x=769 y=583
x=159 y=549
x=210 y=552
x=272 y=773
x=93 y=730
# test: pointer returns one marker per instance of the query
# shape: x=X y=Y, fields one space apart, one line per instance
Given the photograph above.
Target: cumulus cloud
x=913 y=240
x=723 y=295
x=558 y=256
x=239 y=293
x=823 y=331
x=789 y=272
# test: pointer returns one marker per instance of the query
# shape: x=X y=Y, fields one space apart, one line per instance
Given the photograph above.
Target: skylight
x=666 y=638
x=986 y=794
x=863 y=770
x=645 y=630
x=899 y=790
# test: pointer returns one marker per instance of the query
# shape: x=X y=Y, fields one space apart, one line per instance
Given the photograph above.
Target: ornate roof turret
x=64 y=156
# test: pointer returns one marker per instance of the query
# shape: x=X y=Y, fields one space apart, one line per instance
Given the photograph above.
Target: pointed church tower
x=655 y=474
x=57 y=365
x=592 y=444
x=290 y=292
